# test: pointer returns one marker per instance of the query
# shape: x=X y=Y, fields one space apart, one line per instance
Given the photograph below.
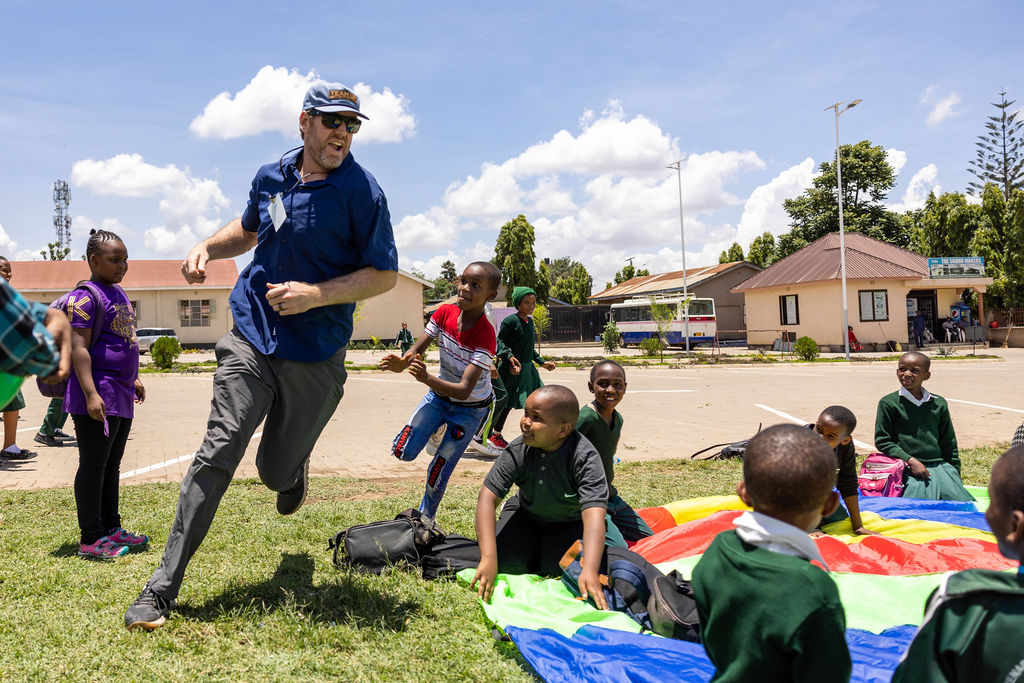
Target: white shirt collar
x=925 y=396
x=772 y=534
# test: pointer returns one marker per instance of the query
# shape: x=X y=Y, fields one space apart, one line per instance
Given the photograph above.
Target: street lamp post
x=842 y=238
x=678 y=165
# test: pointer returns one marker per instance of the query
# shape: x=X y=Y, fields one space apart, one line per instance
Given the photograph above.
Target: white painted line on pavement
x=378 y=379
x=168 y=463
x=985 y=405
x=662 y=391
x=796 y=420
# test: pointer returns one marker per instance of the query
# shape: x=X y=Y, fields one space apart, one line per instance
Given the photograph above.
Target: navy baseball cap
x=330 y=98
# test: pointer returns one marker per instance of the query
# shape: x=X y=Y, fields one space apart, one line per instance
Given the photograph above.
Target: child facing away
x=11 y=449
x=836 y=425
x=914 y=426
x=562 y=498
x=973 y=620
x=766 y=612
x=101 y=396
x=518 y=374
x=601 y=423
x=459 y=397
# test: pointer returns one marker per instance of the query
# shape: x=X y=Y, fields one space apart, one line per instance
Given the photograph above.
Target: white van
x=148 y=335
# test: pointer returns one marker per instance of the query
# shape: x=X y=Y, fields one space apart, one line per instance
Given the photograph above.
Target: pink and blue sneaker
x=128 y=539
x=103 y=549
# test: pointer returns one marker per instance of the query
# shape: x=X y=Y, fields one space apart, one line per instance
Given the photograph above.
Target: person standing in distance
x=323 y=241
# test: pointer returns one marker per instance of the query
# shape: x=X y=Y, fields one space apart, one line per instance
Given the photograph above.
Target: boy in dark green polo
x=974 y=619
x=562 y=497
x=766 y=612
x=601 y=423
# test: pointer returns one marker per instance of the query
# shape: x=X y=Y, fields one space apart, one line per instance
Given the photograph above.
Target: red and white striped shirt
x=458 y=350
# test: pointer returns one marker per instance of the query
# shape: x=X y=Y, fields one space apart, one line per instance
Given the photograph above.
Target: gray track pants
x=297 y=399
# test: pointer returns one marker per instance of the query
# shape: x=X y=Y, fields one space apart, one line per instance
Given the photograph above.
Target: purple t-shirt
x=115 y=355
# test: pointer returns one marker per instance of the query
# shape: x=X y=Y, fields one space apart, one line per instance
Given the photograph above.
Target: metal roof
x=866 y=259
x=154 y=274
x=663 y=282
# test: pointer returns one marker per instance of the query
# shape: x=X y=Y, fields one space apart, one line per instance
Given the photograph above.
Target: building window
x=194 y=312
x=874 y=305
x=135 y=307
x=789 y=310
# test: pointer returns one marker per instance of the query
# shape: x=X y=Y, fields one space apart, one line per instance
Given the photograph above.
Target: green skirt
x=944 y=484
x=17 y=403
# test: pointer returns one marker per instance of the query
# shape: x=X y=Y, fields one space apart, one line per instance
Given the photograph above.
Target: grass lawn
x=261 y=600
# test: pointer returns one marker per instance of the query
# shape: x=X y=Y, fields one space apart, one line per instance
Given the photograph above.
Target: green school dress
x=518 y=337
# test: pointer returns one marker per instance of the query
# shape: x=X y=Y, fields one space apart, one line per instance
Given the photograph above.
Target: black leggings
x=99 y=469
x=529 y=545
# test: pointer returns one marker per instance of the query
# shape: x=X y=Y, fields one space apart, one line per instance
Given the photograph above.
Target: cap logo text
x=343 y=95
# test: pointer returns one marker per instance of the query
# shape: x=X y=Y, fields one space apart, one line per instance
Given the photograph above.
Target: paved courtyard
x=669 y=413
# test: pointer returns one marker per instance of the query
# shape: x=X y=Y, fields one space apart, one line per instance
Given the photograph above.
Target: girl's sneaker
x=104 y=549
x=132 y=541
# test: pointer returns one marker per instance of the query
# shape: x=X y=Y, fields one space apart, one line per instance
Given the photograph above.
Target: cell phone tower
x=61 y=217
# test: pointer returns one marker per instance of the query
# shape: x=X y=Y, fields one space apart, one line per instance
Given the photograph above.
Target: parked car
x=148 y=335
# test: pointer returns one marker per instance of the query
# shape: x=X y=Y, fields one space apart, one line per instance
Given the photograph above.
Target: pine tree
x=1000 y=157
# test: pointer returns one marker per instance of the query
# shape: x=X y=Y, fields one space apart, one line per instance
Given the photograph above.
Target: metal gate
x=576 y=323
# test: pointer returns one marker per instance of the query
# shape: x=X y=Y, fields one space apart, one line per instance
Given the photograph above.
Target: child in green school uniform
x=974 y=619
x=766 y=612
x=518 y=374
x=601 y=423
x=914 y=426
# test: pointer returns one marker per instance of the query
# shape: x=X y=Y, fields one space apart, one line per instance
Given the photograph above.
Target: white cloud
x=7 y=245
x=896 y=158
x=495 y=192
x=942 y=107
x=763 y=209
x=920 y=186
x=271 y=102
x=191 y=207
x=81 y=225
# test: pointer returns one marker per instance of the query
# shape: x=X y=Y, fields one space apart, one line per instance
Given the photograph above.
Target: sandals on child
x=20 y=455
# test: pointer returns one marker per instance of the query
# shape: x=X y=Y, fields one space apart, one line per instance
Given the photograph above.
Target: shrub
x=378 y=345
x=651 y=346
x=165 y=351
x=806 y=348
x=610 y=337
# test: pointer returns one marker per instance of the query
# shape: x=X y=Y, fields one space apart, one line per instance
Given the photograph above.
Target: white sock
x=13 y=449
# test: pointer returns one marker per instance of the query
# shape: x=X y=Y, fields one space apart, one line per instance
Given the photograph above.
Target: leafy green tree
x=945 y=226
x=628 y=272
x=55 y=252
x=998 y=239
x=541 y=321
x=733 y=253
x=575 y=288
x=1000 y=157
x=867 y=179
x=610 y=337
x=662 y=315
x=543 y=284
x=449 y=275
x=165 y=350
x=560 y=267
x=514 y=254
x=762 y=250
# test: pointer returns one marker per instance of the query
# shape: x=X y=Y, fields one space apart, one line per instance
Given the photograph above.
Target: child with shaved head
x=563 y=496
x=766 y=612
x=974 y=619
x=914 y=425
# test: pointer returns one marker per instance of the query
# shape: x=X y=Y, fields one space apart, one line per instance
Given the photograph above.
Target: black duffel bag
x=370 y=548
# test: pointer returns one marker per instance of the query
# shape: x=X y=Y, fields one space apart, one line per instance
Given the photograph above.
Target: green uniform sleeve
x=885 y=431
x=537 y=358
x=947 y=439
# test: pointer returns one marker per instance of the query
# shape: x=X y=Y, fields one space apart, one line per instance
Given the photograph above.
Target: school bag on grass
x=736 y=449
x=370 y=548
x=881 y=475
x=445 y=560
x=632 y=585
x=98 y=320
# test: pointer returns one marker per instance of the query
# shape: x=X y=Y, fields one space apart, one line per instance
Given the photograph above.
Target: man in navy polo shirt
x=323 y=241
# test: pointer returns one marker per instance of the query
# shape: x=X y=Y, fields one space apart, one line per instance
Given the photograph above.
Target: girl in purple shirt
x=101 y=397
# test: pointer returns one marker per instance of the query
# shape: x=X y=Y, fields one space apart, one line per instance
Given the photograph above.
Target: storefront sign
x=962 y=266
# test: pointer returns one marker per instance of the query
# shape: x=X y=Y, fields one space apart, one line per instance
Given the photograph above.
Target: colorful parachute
x=883 y=583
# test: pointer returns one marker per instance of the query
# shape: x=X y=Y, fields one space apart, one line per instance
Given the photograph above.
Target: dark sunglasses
x=332 y=121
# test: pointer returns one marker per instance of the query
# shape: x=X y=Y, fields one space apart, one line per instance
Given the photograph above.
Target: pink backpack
x=881 y=475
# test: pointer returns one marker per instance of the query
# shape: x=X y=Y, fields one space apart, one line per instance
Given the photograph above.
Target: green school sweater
x=766 y=616
x=518 y=338
x=972 y=631
x=925 y=432
x=604 y=437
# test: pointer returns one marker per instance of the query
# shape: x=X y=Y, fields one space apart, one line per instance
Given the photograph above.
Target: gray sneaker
x=149 y=611
x=291 y=500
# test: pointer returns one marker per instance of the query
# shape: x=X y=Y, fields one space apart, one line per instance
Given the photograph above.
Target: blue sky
x=159 y=115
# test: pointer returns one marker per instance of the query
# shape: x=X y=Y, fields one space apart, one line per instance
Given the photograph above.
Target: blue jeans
x=432 y=412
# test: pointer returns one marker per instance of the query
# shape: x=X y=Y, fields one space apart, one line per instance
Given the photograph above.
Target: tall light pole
x=842 y=233
x=678 y=165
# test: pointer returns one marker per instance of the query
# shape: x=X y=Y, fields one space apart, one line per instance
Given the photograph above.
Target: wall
x=382 y=315
x=821 y=313
x=728 y=305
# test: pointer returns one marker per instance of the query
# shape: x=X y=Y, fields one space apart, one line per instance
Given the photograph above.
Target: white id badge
x=277 y=212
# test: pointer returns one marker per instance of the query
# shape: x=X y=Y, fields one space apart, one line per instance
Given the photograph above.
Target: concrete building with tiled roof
x=801 y=295
x=713 y=282
x=199 y=313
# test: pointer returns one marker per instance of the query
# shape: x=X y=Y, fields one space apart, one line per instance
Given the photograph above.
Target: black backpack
x=445 y=560
x=736 y=449
x=370 y=548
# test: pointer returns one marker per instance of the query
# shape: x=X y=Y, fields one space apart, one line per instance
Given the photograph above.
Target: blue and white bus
x=635 y=323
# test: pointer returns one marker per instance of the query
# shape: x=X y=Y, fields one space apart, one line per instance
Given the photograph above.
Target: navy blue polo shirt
x=333 y=227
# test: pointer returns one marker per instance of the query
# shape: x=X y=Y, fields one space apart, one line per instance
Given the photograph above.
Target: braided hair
x=97 y=238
